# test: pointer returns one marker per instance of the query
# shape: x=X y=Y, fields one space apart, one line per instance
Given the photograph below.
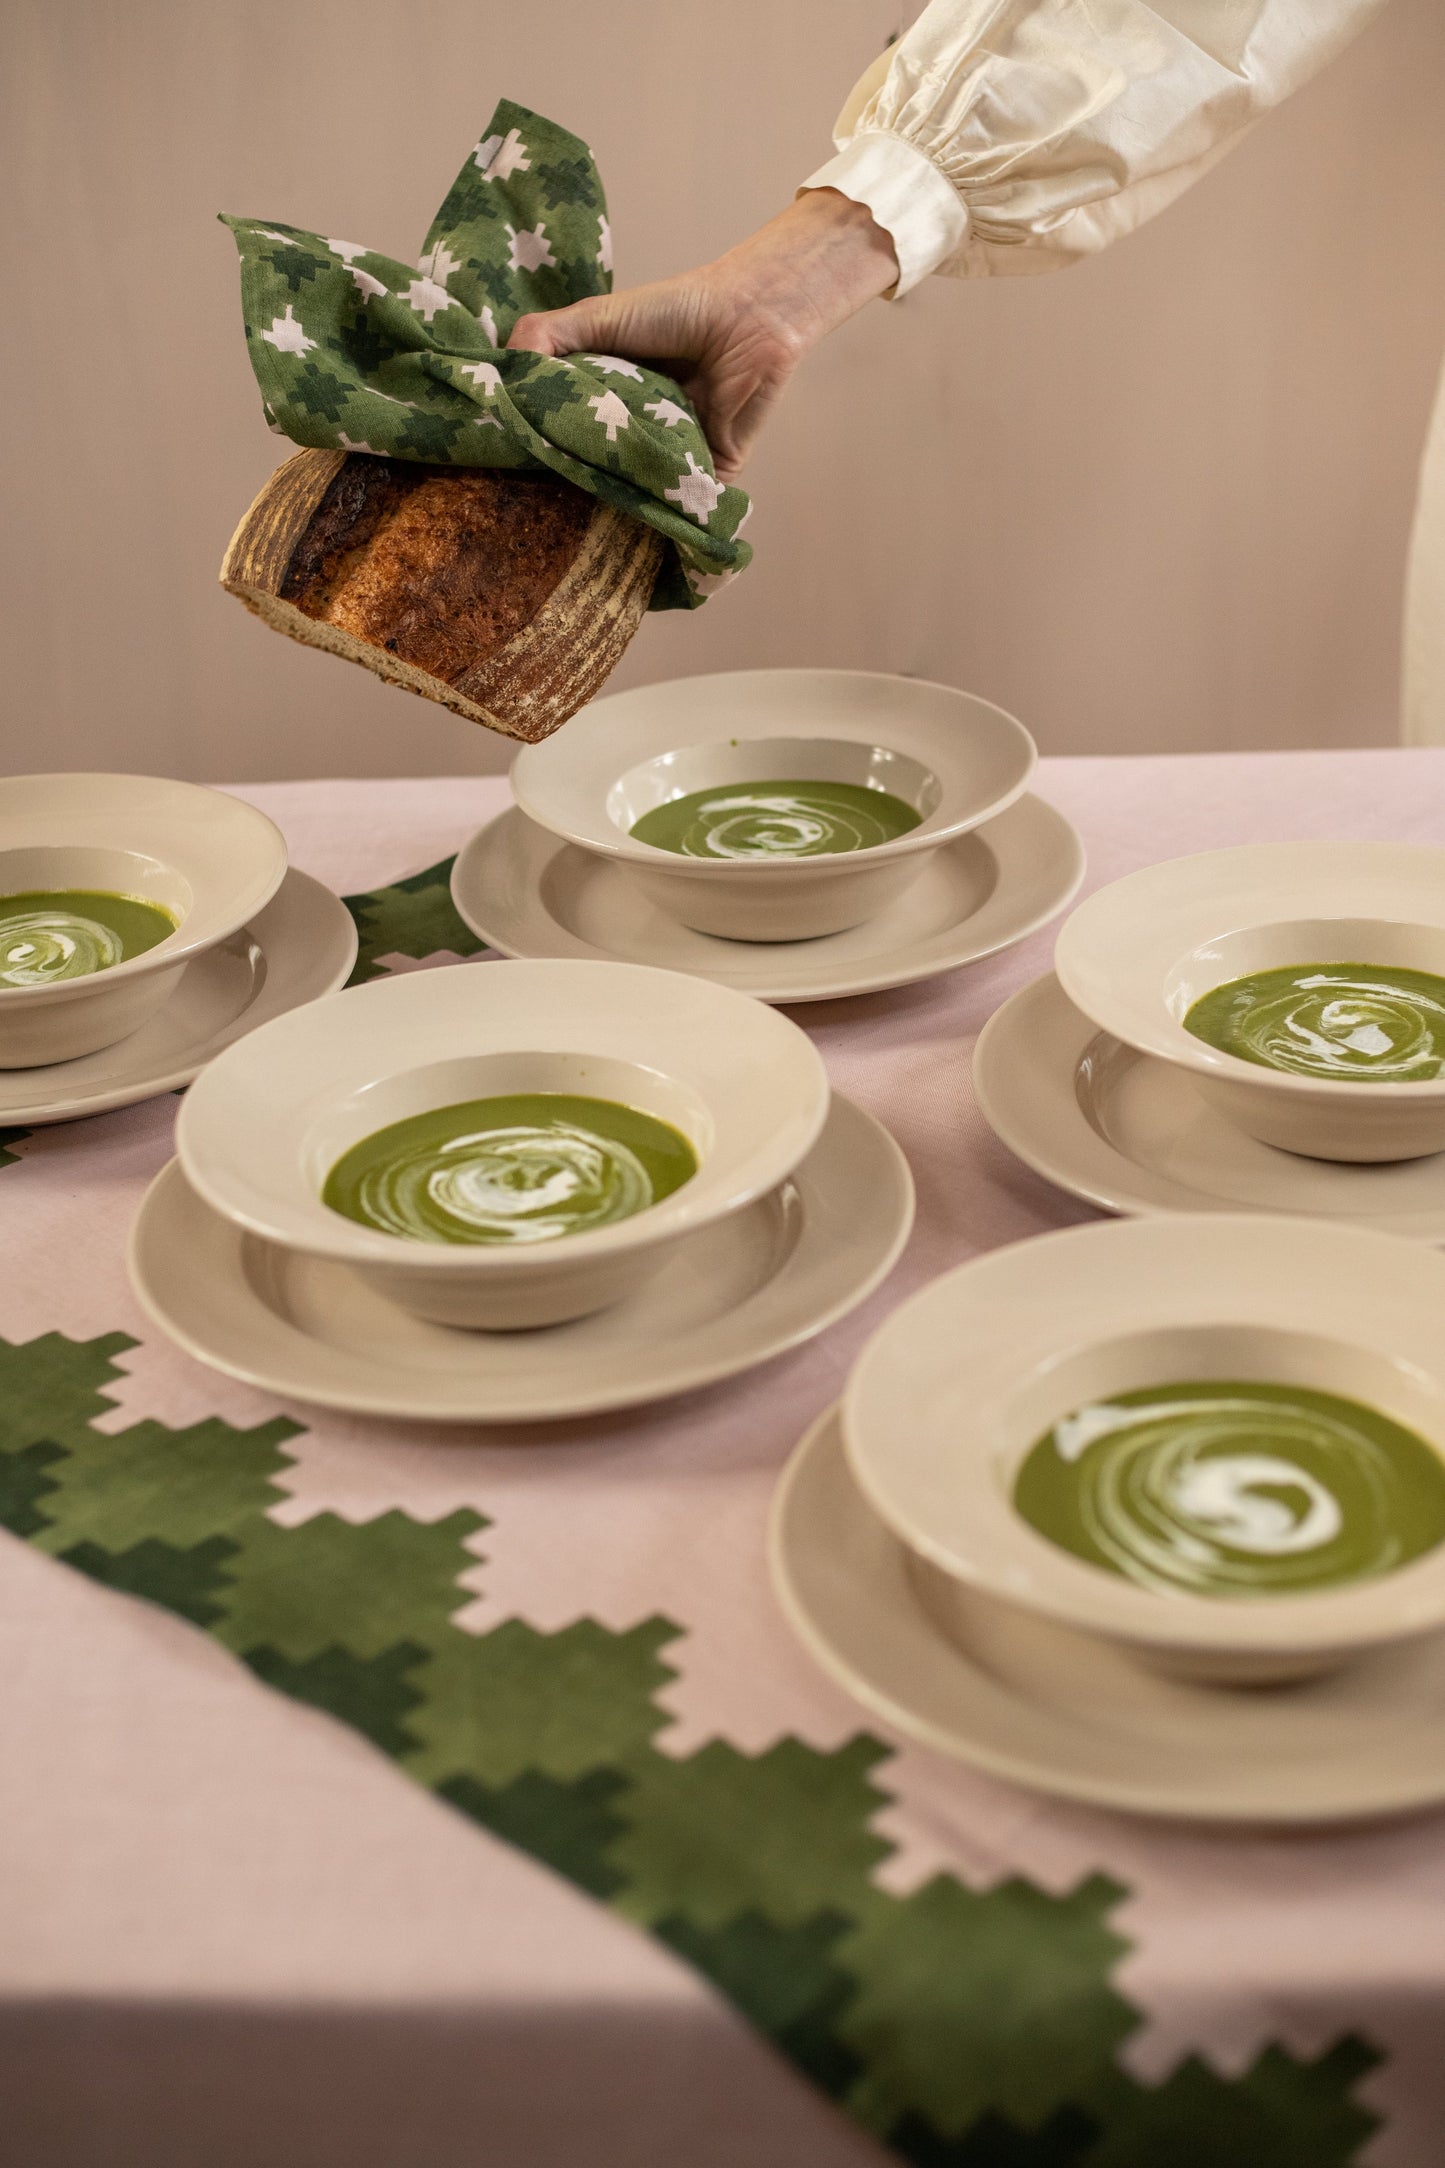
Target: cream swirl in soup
x=776 y=820
x=520 y=1168
x=1357 y=1023
x=51 y=934
x=1233 y=1489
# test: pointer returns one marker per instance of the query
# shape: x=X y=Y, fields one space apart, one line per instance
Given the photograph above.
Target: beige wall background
x=1161 y=501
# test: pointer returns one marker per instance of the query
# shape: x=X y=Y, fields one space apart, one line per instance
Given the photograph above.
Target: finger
x=561 y=331
x=729 y=454
x=731 y=415
x=531 y=335
x=734 y=443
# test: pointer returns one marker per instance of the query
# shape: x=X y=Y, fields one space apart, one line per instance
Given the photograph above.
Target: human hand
x=732 y=332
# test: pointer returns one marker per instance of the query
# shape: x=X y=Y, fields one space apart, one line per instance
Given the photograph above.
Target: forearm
x=812 y=267
x=733 y=331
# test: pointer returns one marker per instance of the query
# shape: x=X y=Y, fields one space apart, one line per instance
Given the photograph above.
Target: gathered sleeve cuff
x=909 y=197
x=1009 y=136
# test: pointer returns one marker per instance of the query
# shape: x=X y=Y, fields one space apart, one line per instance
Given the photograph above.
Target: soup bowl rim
x=1117 y=950
x=231 y=856
x=564 y=784
x=763 y=1130
x=993 y=1321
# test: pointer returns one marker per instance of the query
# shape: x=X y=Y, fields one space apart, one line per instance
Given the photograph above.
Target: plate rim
x=1125 y=1198
x=883 y=979
x=1034 y=1776
x=578 y=1405
x=109 y=1099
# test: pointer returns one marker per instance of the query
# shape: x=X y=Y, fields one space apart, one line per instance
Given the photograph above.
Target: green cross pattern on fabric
x=355 y=352
x=963 y=2027
x=414 y=917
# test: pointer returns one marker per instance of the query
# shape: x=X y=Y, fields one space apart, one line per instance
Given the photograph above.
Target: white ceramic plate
x=1140 y=951
x=528 y=894
x=980 y=758
x=733 y=1296
x=743 y=1084
x=209 y=860
x=1059 y=1713
x=227 y=854
x=1137 y=955
x=1132 y=1134
x=949 y=1395
x=302 y=945
x=955 y=759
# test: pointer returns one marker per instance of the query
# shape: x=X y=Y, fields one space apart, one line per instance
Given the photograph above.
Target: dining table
x=666 y=1894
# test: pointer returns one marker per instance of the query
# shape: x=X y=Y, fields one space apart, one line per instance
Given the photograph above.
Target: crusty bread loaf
x=507 y=597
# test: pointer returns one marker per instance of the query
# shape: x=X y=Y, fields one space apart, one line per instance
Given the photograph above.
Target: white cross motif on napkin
x=530 y=248
x=611 y=413
x=426 y=297
x=696 y=492
x=485 y=375
x=501 y=156
x=439 y=263
x=287 y=335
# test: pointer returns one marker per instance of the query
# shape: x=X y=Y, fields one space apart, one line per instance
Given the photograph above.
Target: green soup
x=776 y=820
x=64 y=933
x=1363 y=1023
x=1234 y=1489
x=528 y=1167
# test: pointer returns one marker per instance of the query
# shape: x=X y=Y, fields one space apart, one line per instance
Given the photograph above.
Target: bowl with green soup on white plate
x=109 y=886
x=504 y=1145
x=775 y=805
x=1301 y=985
x=1218 y=1443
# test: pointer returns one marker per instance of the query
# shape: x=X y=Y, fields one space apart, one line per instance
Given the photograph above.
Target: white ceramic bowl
x=266 y=1122
x=955 y=759
x=950 y=1394
x=208 y=859
x=1138 y=954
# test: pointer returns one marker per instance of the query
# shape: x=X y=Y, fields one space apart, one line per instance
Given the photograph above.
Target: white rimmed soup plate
x=1137 y=956
x=265 y=1124
x=1070 y=1715
x=734 y=1295
x=209 y=861
x=954 y=760
x=958 y=1387
x=1121 y=1130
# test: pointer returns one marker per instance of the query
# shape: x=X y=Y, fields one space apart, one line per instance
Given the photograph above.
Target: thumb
x=582 y=327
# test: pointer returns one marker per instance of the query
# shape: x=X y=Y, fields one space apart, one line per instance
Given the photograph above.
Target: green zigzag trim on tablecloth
x=415 y=917
x=966 y=2029
x=7 y=1138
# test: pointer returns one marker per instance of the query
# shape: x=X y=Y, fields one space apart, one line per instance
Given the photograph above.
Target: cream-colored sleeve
x=1016 y=135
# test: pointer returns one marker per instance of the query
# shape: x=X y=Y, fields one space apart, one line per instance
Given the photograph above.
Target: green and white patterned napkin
x=356 y=352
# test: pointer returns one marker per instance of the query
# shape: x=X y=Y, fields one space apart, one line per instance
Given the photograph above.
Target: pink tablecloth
x=230 y=1932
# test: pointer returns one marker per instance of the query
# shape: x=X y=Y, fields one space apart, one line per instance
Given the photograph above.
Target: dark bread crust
x=507 y=598
x=439 y=567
